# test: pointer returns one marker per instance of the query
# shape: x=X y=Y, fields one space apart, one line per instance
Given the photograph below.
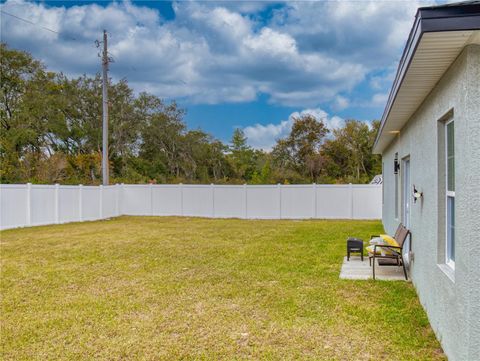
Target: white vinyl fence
x=31 y=205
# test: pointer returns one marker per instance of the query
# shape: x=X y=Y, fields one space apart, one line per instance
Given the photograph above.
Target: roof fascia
x=429 y=19
x=407 y=56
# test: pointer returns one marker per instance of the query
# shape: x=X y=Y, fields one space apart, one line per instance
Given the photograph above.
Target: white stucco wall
x=452 y=301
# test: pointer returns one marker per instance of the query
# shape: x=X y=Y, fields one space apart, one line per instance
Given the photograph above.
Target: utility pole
x=105 y=61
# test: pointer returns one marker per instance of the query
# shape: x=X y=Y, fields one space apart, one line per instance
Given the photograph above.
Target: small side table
x=354 y=245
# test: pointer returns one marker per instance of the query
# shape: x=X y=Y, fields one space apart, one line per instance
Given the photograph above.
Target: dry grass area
x=199 y=289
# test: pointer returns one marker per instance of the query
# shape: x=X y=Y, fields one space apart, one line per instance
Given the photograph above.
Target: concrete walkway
x=355 y=269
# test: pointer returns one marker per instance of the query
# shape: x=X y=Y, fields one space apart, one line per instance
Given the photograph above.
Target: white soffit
x=436 y=51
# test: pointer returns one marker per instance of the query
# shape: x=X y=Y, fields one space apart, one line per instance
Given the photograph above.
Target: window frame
x=383 y=181
x=406 y=184
x=396 y=191
x=449 y=194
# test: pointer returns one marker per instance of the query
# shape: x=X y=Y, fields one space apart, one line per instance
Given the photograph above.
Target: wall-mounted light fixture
x=396 y=164
x=416 y=194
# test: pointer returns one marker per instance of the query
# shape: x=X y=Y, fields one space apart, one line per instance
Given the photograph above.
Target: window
x=383 y=181
x=450 y=193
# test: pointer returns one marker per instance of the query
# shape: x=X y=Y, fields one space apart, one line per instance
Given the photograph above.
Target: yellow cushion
x=380 y=250
x=370 y=249
x=391 y=241
x=377 y=240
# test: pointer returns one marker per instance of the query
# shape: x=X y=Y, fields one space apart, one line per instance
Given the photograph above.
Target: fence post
x=279 y=201
x=314 y=189
x=57 y=203
x=117 y=196
x=29 y=204
x=121 y=199
x=100 y=211
x=212 y=188
x=150 y=186
x=181 y=198
x=245 y=199
x=350 y=186
x=80 y=210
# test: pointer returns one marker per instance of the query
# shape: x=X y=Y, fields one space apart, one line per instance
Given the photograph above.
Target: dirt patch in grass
x=187 y=288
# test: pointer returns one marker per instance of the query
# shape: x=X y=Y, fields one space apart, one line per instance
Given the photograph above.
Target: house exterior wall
x=451 y=299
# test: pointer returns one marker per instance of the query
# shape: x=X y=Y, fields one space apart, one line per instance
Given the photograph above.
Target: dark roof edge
x=407 y=55
x=454 y=17
x=450 y=10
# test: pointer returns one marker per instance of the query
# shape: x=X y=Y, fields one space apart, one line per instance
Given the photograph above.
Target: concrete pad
x=355 y=269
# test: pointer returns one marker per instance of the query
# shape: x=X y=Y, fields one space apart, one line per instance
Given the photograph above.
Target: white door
x=406 y=191
x=406 y=203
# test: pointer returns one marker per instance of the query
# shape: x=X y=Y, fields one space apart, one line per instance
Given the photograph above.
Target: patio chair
x=395 y=236
x=394 y=257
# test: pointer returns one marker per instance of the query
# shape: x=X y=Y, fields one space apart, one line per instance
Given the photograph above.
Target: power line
x=32 y=23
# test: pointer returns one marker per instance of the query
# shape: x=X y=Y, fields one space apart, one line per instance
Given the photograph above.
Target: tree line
x=51 y=132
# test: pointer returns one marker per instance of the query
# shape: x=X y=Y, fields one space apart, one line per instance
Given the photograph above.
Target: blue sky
x=231 y=64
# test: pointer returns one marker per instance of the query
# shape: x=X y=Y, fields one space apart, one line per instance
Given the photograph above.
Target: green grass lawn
x=155 y=288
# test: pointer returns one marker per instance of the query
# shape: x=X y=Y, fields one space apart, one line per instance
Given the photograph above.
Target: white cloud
x=265 y=136
x=379 y=99
x=333 y=122
x=307 y=54
x=378 y=82
x=247 y=7
x=371 y=33
x=271 y=43
x=340 y=103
